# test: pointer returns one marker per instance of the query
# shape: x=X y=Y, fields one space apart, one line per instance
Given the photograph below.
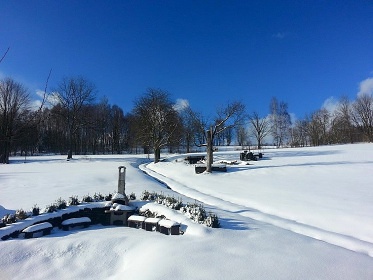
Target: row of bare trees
x=75 y=123
x=348 y=122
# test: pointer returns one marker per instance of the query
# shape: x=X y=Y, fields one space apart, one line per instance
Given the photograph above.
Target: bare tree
x=362 y=115
x=73 y=94
x=188 y=125
x=342 y=129
x=242 y=135
x=156 y=120
x=280 y=121
x=299 y=133
x=260 y=128
x=117 y=123
x=318 y=127
x=227 y=117
x=14 y=102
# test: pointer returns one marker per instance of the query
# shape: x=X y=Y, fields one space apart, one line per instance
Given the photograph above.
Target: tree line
x=71 y=120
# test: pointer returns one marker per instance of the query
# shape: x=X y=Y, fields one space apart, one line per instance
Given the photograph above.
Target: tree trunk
x=157 y=154
x=209 y=151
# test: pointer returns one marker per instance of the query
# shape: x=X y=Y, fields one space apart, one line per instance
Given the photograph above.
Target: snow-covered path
x=344 y=241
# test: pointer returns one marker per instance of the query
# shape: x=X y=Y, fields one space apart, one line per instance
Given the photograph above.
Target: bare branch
x=4 y=54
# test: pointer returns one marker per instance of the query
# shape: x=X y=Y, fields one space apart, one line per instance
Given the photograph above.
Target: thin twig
x=4 y=55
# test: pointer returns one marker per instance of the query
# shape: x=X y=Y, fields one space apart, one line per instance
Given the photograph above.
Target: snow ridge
x=341 y=240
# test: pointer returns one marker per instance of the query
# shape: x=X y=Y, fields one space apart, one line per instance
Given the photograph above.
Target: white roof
x=136 y=218
x=76 y=221
x=37 y=227
x=123 y=208
x=167 y=223
x=152 y=220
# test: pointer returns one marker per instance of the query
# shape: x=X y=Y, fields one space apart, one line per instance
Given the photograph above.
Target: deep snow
x=297 y=214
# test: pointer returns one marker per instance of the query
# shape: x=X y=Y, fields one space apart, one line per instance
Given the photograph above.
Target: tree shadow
x=232 y=224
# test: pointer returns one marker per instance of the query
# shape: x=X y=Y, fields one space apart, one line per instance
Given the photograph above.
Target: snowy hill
x=296 y=214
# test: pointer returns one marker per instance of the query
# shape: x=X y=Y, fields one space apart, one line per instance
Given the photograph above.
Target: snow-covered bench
x=169 y=227
x=73 y=223
x=151 y=224
x=37 y=230
x=136 y=221
x=200 y=168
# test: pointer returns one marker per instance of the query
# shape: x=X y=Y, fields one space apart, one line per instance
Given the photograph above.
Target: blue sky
x=207 y=52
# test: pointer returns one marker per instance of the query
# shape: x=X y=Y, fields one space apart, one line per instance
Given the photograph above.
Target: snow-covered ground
x=297 y=214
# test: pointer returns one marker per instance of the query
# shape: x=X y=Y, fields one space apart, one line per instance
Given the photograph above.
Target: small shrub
x=108 y=197
x=73 y=200
x=212 y=221
x=35 y=210
x=160 y=198
x=87 y=198
x=195 y=212
x=132 y=196
x=147 y=213
x=98 y=197
x=50 y=208
x=169 y=201
x=60 y=203
x=146 y=195
x=9 y=219
x=21 y=214
x=173 y=203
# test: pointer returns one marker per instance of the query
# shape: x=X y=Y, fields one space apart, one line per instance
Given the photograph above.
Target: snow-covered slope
x=296 y=214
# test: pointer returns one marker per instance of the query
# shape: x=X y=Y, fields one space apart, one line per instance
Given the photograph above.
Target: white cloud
x=293 y=118
x=51 y=99
x=330 y=104
x=279 y=35
x=35 y=105
x=181 y=104
x=366 y=87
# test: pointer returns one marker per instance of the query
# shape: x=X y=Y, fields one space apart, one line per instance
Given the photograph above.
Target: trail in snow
x=344 y=241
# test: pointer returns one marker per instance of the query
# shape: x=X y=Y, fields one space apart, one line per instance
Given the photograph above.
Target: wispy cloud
x=279 y=35
x=51 y=99
x=181 y=104
x=366 y=87
x=330 y=104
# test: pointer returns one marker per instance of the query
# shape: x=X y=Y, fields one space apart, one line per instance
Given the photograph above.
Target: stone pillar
x=122 y=180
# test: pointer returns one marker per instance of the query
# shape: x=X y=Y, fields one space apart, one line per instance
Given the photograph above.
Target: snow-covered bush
x=60 y=203
x=22 y=214
x=87 y=198
x=98 y=197
x=169 y=201
x=35 y=210
x=132 y=196
x=73 y=200
x=9 y=219
x=147 y=213
x=50 y=208
x=212 y=221
x=146 y=195
x=195 y=212
x=108 y=197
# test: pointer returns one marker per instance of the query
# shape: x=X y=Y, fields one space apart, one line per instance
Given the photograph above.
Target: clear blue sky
x=208 y=52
